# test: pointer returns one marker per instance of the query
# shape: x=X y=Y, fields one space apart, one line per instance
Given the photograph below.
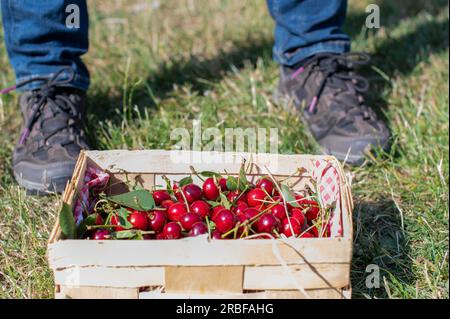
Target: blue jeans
x=39 y=43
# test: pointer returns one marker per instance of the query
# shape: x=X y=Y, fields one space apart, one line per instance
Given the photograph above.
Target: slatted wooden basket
x=196 y=267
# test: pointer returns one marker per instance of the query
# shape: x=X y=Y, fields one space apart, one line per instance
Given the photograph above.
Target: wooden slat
x=204 y=280
x=198 y=252
x=124 y=277
x=296 y=277
x=69 y=193
x=169 y=162
x=287 y=294
x=255 y=277
x=96 y=293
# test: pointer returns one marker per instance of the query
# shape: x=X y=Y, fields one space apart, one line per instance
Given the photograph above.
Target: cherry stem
x=208 y=226
x=240 y=195
x=89 y=227
x=194 y=172
x=248 y=222
x=284 y=199
x=260 y=234
x=185 y=200
x=276 y=233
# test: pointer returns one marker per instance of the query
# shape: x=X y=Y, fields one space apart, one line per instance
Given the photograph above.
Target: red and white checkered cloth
x=94 y=179
x=327 y=179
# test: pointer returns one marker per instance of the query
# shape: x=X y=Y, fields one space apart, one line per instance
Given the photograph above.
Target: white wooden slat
x=288 y=294
x=197 y=252
x=255 y=277
x=168 y=162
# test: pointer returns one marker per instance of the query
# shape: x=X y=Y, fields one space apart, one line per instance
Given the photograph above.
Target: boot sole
x=43 y=180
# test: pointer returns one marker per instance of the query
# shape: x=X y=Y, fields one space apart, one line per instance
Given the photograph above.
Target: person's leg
x=39 y=43
x=45 y=54
x=307 y=27
x=317 y=77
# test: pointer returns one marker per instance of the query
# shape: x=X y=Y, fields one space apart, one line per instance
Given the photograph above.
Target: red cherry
x=116 y=221
x=223 y=184
x=216 y=210
x=176 y=191
x=201 y=208
x=255 y=197
x=298 y=199
x=325 y=231
x=188 y=220
x=298 y=214
x=251 y=212
x=236 y=196
x=312 y=209
x=101 y=234
x=241 y=218
x=224 y=220
x=278 y=211
x=296 y=227
x=176 y=211
x=172 y=230
x=267 y=223
x=139 y=220
x=197 y=229
x=157 y=220
x=192 y=192
x=99 y=220
x=266 y=184
x=307 y=235
x=167 y=203
x=159 y=196
x=216 y=234
x=239 y=208
x=160 y=236
x=210 y=190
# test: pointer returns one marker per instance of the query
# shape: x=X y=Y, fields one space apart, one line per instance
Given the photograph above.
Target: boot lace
x=338 y=73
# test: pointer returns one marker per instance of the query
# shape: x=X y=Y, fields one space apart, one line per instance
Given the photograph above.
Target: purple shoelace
x=50 y=82
x=346 y=61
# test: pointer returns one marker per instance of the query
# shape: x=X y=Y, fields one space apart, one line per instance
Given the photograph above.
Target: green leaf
x=124 y=234
x=88 y=221
x=185 y=181
x=137 y=187
x=243 y=182
x=232 y=183
x=137 y=199
x=209 y=174
x=123 y=214
x=168 y=186
x=211 y=225
x=225 y=202
x=67 y=222
x=139 y=236
x=213 y=204
x=288 y=196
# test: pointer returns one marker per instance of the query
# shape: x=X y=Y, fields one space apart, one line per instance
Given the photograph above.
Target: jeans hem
x=79 y=82
x=292 y=58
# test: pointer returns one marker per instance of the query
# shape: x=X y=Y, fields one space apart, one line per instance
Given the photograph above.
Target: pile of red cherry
x=258 y=211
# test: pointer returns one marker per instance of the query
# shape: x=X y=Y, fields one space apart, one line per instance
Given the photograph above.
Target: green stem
x=194 y=172
x=207 y=225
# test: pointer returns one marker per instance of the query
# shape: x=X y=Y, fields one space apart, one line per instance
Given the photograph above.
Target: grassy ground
x=157 y=65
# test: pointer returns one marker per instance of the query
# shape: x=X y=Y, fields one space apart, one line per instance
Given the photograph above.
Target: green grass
x=159 y=67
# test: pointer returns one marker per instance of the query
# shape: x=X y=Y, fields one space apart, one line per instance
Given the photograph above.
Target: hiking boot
x=328 y=94
x=52 y=138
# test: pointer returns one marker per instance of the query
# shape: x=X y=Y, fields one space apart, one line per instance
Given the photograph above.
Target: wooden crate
x=195 y=267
